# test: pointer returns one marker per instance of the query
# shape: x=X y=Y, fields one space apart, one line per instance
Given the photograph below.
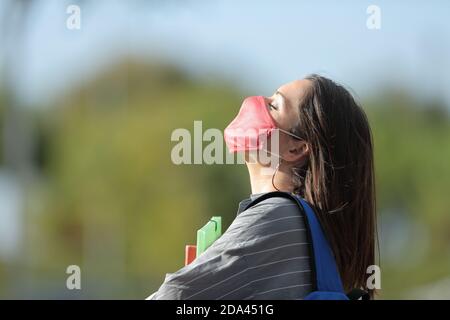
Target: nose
x=267 y=100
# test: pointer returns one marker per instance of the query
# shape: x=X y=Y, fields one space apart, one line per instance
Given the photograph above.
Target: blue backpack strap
x=327 y=275
x=326 y=272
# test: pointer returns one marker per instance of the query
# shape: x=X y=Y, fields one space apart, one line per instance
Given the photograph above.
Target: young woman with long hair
x=325 y=154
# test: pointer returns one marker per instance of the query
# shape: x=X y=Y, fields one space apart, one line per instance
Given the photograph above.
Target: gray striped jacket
x=264 y=254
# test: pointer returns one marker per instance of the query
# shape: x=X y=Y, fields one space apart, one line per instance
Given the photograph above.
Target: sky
x=256 y=45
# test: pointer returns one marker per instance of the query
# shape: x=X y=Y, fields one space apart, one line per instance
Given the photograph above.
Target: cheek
x=282 y=144
x=277 y=118
x=284 y=118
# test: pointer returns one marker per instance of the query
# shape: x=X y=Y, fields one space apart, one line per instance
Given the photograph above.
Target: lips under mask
x=251 y=128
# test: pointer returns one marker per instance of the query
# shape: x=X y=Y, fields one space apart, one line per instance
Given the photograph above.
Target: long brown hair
x=338 y=177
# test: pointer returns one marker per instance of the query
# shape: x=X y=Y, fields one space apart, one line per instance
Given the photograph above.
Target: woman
x=325 y=156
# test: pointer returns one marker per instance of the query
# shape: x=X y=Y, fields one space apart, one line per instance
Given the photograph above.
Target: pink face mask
x=252 y=127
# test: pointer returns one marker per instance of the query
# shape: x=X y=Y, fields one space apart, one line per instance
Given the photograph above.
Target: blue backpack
x=328 y=281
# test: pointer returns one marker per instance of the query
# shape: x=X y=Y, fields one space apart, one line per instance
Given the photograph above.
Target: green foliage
x=412 y=157
x=111 y=182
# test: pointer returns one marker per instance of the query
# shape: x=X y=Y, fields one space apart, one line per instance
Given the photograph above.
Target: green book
x=209 y=233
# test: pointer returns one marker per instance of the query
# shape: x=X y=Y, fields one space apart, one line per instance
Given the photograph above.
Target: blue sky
x=258 y=45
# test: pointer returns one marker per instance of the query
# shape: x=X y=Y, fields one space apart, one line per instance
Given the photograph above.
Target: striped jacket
x=264 y=254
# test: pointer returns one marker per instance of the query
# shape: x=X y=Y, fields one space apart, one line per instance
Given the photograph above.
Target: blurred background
x=86 y=116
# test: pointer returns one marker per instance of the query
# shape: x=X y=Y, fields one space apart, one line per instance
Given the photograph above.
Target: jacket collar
x=243 y=204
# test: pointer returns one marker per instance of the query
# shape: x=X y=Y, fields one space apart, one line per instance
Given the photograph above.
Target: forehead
x=295 y=90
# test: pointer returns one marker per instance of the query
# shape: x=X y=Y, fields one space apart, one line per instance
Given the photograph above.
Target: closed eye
x=272 y=106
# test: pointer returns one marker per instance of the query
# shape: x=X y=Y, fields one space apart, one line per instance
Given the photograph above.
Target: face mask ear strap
x=273 y=154
x=278 y=155
x=289 y=133
x=273 y=176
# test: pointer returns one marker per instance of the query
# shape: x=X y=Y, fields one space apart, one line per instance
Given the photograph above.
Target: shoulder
x=252 y=241
x=281 y=211
x=271 y=216
x=268 y=209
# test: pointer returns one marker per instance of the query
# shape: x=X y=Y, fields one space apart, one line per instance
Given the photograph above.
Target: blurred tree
x=412 y=151
x=114 y=201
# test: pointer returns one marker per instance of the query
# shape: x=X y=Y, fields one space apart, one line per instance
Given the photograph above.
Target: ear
x=298 y=151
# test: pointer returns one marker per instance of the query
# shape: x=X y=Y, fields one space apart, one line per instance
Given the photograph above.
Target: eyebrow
x=278 y=92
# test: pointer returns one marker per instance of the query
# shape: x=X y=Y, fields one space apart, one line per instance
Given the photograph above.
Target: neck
x=261 y=179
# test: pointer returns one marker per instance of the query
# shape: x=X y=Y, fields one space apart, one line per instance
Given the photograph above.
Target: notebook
x=206 y=236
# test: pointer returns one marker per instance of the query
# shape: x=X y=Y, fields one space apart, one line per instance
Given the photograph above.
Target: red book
x=190 y=254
